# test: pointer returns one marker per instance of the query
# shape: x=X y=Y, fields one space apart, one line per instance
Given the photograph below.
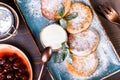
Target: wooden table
x=26 y=43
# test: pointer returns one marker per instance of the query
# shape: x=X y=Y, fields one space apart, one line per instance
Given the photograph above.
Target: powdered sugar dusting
x=51 y=6
x=107 y=49
x=88 y=38
x=82 y=14
x=103 y=64
x=106 y=55
x=35 y=8
x=86 y=63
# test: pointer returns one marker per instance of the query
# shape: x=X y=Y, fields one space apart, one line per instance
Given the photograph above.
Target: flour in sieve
x=6 y=21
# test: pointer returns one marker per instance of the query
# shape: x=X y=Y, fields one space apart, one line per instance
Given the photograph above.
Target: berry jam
x=12 y=67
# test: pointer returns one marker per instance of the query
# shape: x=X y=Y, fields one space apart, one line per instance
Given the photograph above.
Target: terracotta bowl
x=9 y=50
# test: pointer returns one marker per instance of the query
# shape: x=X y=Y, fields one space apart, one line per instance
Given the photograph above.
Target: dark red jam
x=13 y=68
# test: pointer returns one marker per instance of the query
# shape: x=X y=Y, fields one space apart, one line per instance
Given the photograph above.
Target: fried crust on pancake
x=50 y=8
x=83 y=66
x=82 y=21
x=83 y=43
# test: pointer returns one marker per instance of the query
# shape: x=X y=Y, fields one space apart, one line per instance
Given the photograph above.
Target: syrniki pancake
x=83 y=66
x=83 y=43
x=82 y=21
x=50 y=8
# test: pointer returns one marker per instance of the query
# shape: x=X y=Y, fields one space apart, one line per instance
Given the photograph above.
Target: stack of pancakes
x=83 y=46
x=82 y=41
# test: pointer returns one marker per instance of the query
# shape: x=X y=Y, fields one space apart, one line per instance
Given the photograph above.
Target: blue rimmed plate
x=108 y=60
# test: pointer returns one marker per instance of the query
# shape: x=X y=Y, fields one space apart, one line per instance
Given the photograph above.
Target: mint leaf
x=62 y=54
x=63 y=23
x=71 y=16
x=60 y=57
x=65 y=46
x=61 y=10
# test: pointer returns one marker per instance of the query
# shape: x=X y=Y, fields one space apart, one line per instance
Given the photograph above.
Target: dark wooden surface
x=112 y=30
x=24 y=41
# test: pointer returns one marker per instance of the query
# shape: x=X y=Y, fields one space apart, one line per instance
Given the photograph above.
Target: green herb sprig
x=61 y=10
x=63 y=20
x=71 y=16
x=63 y=53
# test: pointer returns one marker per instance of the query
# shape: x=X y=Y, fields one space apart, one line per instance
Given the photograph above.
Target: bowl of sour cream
x=9 y=22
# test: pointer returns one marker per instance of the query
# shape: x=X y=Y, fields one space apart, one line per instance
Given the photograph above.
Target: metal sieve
x=9 y=22
x=6 y=21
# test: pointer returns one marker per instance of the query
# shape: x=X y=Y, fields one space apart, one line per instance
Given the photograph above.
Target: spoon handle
x=41 y=72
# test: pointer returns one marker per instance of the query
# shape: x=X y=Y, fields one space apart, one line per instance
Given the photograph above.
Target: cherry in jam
x=12 y=67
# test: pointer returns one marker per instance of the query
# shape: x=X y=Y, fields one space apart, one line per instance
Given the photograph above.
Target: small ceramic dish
x=9 y=50
x=9 y=22
x=53 y=35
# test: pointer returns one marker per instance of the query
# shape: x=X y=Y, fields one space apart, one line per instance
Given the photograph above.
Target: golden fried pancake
x=82 y=21
x=50 y=8
x=83 y=43
x=83 y=66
